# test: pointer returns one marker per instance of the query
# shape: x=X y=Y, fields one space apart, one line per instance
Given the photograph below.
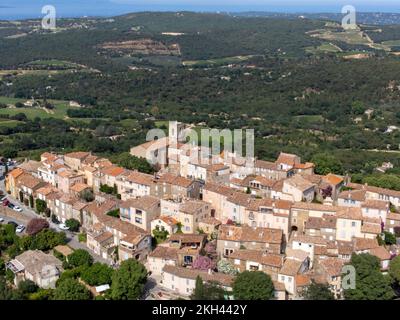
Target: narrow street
x=72 y=238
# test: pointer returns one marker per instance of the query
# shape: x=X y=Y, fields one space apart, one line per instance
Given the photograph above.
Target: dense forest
x=300 y=92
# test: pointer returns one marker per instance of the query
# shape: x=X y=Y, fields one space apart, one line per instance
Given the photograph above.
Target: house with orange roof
x=170 y=185
x=329 y=271
x=78 y=188
x=188 y=212
x=348 y=223
x=258 y=185
x=231 y=238
x=312 y=245
x=27 y=185
x=89 y=173
x=217 y=196
x=304 y=168
x=215 y=173
x=48 y=171
x=183 y=280
x=335 y=182
x=287 y=161
x=44 y=193
x=165 y=223
x=160 y=257
x=255 y=260
x=378 y=209
x=10 y=181
x=269 y=213
x=293 y=267
x=271 y=171
x=140 y=211
x=135 y=184
x=67 y=178
x=30 y=166
x=209 y=225
x=108 y=234
x=75 y=160
x=297 y=188
x=392 y=222
x=302 y=211
x=108 y=176
x=48 y=156
x=383 y=255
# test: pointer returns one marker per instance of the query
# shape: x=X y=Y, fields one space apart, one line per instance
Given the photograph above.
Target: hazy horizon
x=24 y=9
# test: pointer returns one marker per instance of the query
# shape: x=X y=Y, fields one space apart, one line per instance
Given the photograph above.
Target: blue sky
x=32 y=8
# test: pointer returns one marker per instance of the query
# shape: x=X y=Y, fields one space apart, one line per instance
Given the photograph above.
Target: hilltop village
x=214 y=220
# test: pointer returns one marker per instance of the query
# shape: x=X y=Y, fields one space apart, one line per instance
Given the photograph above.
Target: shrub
x=27 y=286
x=41 y=206
x=80 y=257
x=73 y=225
x=97 y=274
x=82 y=237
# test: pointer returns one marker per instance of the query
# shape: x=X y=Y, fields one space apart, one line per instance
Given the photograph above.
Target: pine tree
x=198 y=293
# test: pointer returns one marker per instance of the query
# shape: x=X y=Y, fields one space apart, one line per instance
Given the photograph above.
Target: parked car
x=1 y=220
x=10 y=205
x=6 y=203
x=18 y=209
x=20 y=228
x=62 y=226
x=3 y=198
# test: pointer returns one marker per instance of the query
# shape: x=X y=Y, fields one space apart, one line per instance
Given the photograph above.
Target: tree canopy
x=253 y=285
x=128 y=281
x=71 y=289
x=371 y=284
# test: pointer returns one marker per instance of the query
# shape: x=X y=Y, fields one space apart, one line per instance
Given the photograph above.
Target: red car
x=6 y=203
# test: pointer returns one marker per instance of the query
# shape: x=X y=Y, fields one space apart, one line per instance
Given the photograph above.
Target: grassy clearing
x=59 y=112
x=325 y=47
x=9 y=123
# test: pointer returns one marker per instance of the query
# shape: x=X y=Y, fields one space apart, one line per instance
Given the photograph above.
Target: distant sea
x=27 y=9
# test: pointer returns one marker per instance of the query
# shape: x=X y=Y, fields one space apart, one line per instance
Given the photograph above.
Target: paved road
x=72 y=238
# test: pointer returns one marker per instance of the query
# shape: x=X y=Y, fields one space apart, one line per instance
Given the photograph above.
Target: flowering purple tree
x=210 y=249
x=326 y=192
x=203 y=263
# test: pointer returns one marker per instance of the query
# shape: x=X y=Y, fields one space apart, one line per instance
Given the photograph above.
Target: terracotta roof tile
x=297 y=181
x=356 y=195
x=361 y=244
x=143 y=203
x=187 y=273
x=332 y=266
x=333 y=179
x=381 y=253
x=287 y=158
x=77 y=155
x=351 y=213
x=291 y=267
x=165 y=253
x=273 y=260
x=113 y=171
x=249 y=234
